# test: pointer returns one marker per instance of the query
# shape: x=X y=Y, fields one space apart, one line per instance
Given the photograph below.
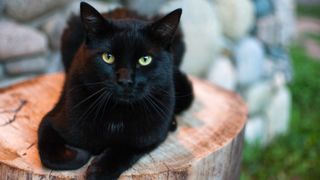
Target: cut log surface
x=206 y=145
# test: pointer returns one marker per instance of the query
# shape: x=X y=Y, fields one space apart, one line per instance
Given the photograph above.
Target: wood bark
x=206 y=145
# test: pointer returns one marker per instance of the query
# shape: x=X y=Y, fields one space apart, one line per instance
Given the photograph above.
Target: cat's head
x=131 y=57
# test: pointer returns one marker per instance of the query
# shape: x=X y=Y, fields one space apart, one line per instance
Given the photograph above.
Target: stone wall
x=30 y=33
x=239 y=45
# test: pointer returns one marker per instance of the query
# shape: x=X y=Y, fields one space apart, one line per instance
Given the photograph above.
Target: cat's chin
x=126 y=99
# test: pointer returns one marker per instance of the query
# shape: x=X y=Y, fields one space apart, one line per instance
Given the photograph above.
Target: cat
x=122 y=90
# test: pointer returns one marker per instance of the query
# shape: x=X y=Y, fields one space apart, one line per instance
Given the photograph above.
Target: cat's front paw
x=96 y=172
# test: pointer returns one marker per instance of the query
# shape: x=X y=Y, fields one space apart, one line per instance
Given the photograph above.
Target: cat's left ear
x=92 y=20
x=164 y=29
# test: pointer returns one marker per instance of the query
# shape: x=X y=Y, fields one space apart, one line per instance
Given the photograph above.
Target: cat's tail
x=54 y=153
x=72 y=37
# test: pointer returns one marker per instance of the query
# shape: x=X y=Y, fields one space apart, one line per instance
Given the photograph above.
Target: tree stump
x=206 y=145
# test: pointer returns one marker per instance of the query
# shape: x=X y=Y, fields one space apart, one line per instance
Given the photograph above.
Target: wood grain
x=206 y=145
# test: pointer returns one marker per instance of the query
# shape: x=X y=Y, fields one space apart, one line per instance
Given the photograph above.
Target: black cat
x=121 y=93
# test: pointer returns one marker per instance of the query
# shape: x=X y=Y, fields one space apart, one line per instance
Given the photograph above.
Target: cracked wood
x=206 y=145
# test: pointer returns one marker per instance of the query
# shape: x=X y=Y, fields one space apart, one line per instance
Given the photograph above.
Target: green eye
x=108 y=58
x=145 y=60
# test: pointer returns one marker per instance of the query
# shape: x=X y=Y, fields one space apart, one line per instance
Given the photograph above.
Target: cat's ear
x=92 y=20
x=165 y=28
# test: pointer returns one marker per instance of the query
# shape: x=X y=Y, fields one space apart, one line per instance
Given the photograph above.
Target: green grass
x=312 y=11
x=296 y=154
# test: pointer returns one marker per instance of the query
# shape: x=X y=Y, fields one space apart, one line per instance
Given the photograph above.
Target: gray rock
x=273 y=121
x=249 y=56
x=19 y=40
x=54 y=27
x=263 y=7
x=238 y=23
x=149 y=7
x=26 y=66
x=278 y=29
x=255 y=129
x=202 y=34
x=286 y=25
x=278 y=113
x=266 y=30
x=55 y=64
x=258 y=96
x=74 y=8
x=13 y=80
x=24 y=10
x=1 y=6
x=222 y=73
x=281 y=62
x=2 y=74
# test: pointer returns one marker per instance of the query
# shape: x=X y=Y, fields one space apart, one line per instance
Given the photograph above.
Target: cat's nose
x=124 y=77
x=125 y=82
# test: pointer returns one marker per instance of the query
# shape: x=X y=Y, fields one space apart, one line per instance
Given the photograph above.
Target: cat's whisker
x=93 y=104
x=100 y=104
x=156 y=107
x=173 y=95
x=86 y=84
x=106 y=102
x=86 y=99
x=159 y=102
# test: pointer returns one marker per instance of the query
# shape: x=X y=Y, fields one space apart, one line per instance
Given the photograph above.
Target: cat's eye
x=145 y=60
x=108 y=58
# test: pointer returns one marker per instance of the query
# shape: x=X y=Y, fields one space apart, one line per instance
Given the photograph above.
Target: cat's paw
x=173 y=125
x=96 y=172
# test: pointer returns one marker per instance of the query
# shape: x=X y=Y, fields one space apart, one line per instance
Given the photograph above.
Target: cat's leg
x=54 y=153
x=183 y=92
x=112 y=162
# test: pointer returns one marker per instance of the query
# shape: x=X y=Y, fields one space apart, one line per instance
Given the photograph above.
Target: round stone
x=20 y=40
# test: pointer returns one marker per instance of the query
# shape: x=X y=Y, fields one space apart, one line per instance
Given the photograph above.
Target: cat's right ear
x=92 y=20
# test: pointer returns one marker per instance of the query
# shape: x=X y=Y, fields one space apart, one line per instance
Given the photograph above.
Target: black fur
x=118 y=111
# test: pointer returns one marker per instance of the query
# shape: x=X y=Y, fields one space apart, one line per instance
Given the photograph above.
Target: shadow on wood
x=207 y=143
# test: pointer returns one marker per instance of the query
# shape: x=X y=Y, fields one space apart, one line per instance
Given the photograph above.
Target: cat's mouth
x=125 y=98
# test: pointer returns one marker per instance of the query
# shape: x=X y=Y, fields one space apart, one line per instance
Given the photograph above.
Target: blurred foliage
x=310 y=10
x=296 y=154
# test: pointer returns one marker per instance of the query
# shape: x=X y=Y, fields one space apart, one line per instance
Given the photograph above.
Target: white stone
x=19 y=40
x=54 y=27
x=255 y=129
x=278 y=29
x=286 y=25
x=150 y=8
x=74 y=8
x=236 y=16
x=202 y=34
x=1 y=72
x=258 y=96
x=13 y=80
x=278 y=113
x=263 y=7
x=26 y=66
x=55 y=63
x=2 y=5
x=250 y=56
x=24 y=10
x=267 y=30
x=222 y=73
